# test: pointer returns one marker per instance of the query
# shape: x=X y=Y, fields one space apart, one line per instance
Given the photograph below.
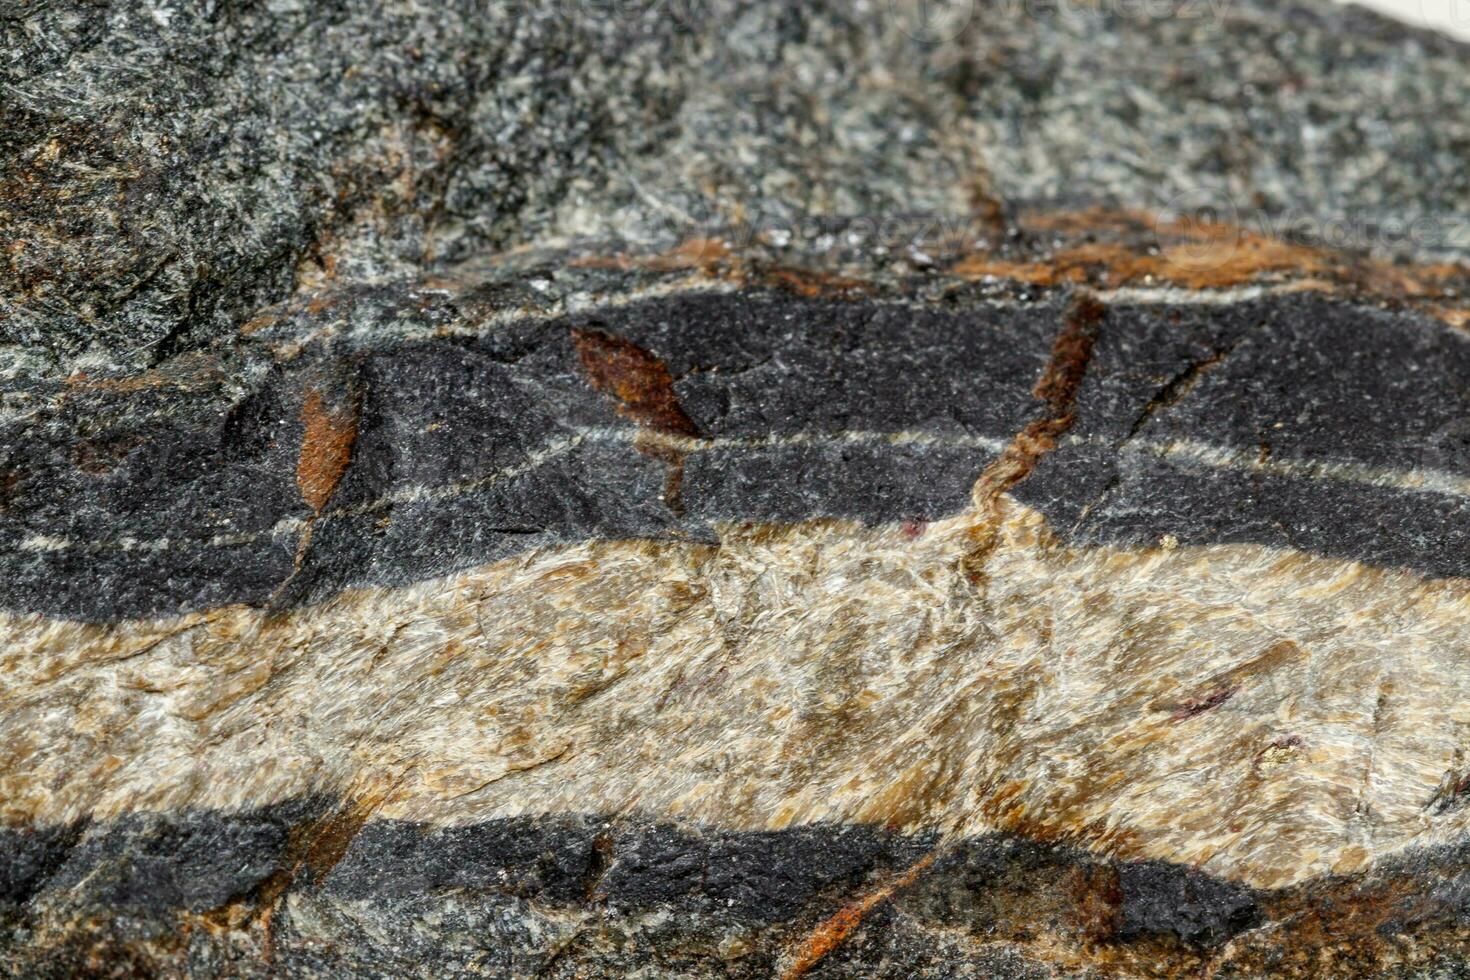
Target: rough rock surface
x=172 y=168
x=733 y=489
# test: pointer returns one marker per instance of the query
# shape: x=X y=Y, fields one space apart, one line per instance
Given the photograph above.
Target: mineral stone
x=709 y=488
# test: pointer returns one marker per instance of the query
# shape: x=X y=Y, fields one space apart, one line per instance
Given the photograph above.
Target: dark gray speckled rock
x=304 y=301
x=166 y=170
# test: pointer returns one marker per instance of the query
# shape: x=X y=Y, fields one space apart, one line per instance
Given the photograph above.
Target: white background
x=1448 y=16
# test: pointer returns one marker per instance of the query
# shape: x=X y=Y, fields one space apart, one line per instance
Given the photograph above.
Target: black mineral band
x=1296 y=422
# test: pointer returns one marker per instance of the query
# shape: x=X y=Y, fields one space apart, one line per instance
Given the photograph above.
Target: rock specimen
x=733 y=490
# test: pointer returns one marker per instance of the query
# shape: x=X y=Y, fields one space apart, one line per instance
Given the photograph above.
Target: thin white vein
x=1188 y=453
x=282 y=343
x=420 y=494
x=1180 y=452
x=699 y=284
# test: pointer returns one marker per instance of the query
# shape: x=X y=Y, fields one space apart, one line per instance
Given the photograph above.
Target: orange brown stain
x=673 y=459
x=1457 y=318
x=326 y=449
x=834 y=929
x=638 y=382
x=1096 y=898
x=813 y=284
x=1198 y=255
x=1108 y=248
x=1219 y=258
x=324 y=843
x=313 y=304
x=706 y=254
x=260 y=322
x=1057 y=386
x=319 y=846
x=642 y=389
x=714 y=258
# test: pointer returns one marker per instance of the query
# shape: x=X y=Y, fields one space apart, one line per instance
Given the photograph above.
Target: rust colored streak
x=833 y=930
x=713 y=258
x=1103 y=247
x=673 y=459
x=1060 y=380
x=812 y=284
x=318 y=846
x=696 y=254
x=637 y=381
x=326 y=842
x=1457 y=318
x=1097 y=247
x=1070 y=354
x=326 y=448
x=1096 y=896
x=1217 y=261
x=1138 y=247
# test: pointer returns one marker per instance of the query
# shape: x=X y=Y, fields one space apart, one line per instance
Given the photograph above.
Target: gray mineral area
x=166 y=170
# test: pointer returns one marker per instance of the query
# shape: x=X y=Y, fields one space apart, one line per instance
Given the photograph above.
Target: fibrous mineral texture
x=725 y=489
